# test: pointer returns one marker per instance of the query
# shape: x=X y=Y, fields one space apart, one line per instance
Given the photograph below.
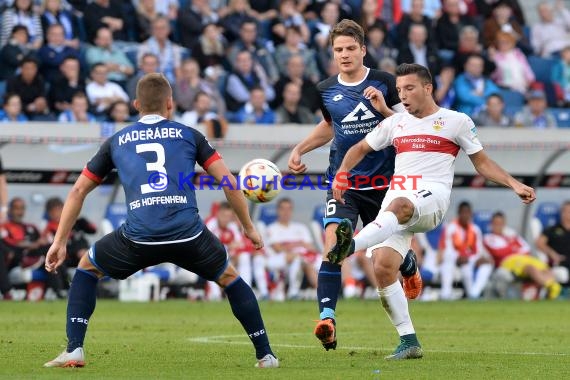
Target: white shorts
x=431 y=201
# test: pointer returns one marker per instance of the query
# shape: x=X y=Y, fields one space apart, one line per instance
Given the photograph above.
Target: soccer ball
x=260 y=180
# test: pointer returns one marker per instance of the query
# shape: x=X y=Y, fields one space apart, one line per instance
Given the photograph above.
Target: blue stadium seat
x=512 y=98
x=2 y=90
x=434 y=235
x=482 y=218
x=319 y=213
x=542 y=67
x=548 y=213
x=268 y=214
x=116 y=214
x=562 y=116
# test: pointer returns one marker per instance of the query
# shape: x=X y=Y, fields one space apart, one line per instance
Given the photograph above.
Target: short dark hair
x=413 y=68
x=20 y=28
x=462 y=205
x=225 y=206
x=29 y=59
x=52 y=203
x=347 y=28
x=9 y=96
x=284 y=200
x=498 y=214
x=153 y=90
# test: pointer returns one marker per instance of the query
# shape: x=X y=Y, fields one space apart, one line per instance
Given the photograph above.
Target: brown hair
x=347 y=28
x=153 y=91
x=413 y=68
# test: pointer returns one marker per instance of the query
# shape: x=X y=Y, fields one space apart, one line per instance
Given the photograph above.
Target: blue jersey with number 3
x=155 y=160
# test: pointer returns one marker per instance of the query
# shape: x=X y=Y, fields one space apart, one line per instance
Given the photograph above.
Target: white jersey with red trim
x=426 y=147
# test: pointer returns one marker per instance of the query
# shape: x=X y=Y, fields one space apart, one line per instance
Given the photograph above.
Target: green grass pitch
x=186 y=340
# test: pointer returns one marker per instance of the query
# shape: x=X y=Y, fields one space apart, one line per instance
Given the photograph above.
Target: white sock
x=395 y=304
x=244 y=267
x=295 y=277
x=482 y=277
x=375 y=232
x=259 y=275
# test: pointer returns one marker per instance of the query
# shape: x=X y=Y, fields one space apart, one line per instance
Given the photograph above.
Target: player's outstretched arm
x=73 y=204
x=354 y=155
x=235 y=197
x=320 y=135
x=492 y=171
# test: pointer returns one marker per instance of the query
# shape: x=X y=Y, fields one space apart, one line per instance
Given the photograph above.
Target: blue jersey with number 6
x=155 y=160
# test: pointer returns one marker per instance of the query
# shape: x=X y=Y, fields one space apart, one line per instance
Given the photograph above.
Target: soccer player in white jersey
x=427 y=139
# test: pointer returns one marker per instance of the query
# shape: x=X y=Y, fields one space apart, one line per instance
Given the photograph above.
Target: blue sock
x=246 y=310
x=328 y=288
x=80 y=306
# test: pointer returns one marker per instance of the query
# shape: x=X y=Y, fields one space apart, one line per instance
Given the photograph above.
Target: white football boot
x=76 y=358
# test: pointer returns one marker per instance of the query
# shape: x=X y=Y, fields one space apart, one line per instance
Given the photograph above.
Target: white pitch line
x=224 y=339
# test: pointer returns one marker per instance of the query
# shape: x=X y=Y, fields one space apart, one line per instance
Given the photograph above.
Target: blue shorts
x=118 y=257
x=363 y=203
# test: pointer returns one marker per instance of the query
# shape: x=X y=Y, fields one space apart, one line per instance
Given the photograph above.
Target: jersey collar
x=151 y=119
x=353 y=83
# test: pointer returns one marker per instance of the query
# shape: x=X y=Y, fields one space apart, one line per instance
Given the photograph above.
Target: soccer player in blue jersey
x=349 y=114
x=154 y=158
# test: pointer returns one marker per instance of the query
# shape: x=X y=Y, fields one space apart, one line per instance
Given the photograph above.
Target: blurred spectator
x=244 y=77
x=552 y=33
x=168 y=8
x=431 y=8
x=249 y=262
x=147 y=64
x=12 y=109
x=52 y=54
x=18 y=240
x=118 y=112
x=492 y=115
x=258 y=48
x=444 y=92
x=535 y=114
x=256 y=110
x=54 y=13
x=554 y=241
x=169 y=53
x=216 y=126
x=78 y=111
x=461 y=245
x=68 y=83
x=376 y=47
x=101 y=92
x=471 y=87
x=12 y=54
x=105 y=13
x=288 y=16
x=293 y=249
x=296 y=73
x=32 y=89
x=502 y=20
x=294 y=46
x=448 y=26
x=118 y=65
x=513 y=70
x=512 y=253
x=388 y=65
x=369 y=16
x=485 y=9
x=291 y=111
x=210 y=50
x=237 y=13
x=469 y=44
x=192 y=20
x=190 y=83
x=264 y=10
x=329 y=16
x=415 y=15
x=561 y=77
x=146 y=14
x=3 y=195
x=417 y=50
x=22 y=13
x=312 y=9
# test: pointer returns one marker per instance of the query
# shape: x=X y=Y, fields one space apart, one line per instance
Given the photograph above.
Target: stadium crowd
x=259 y=62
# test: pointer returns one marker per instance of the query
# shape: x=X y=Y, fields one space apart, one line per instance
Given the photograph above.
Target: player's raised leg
x=387 y=262
x=329 y=283
x=246 y=310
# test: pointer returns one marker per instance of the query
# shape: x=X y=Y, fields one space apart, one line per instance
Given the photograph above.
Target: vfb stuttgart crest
x=438 y=124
